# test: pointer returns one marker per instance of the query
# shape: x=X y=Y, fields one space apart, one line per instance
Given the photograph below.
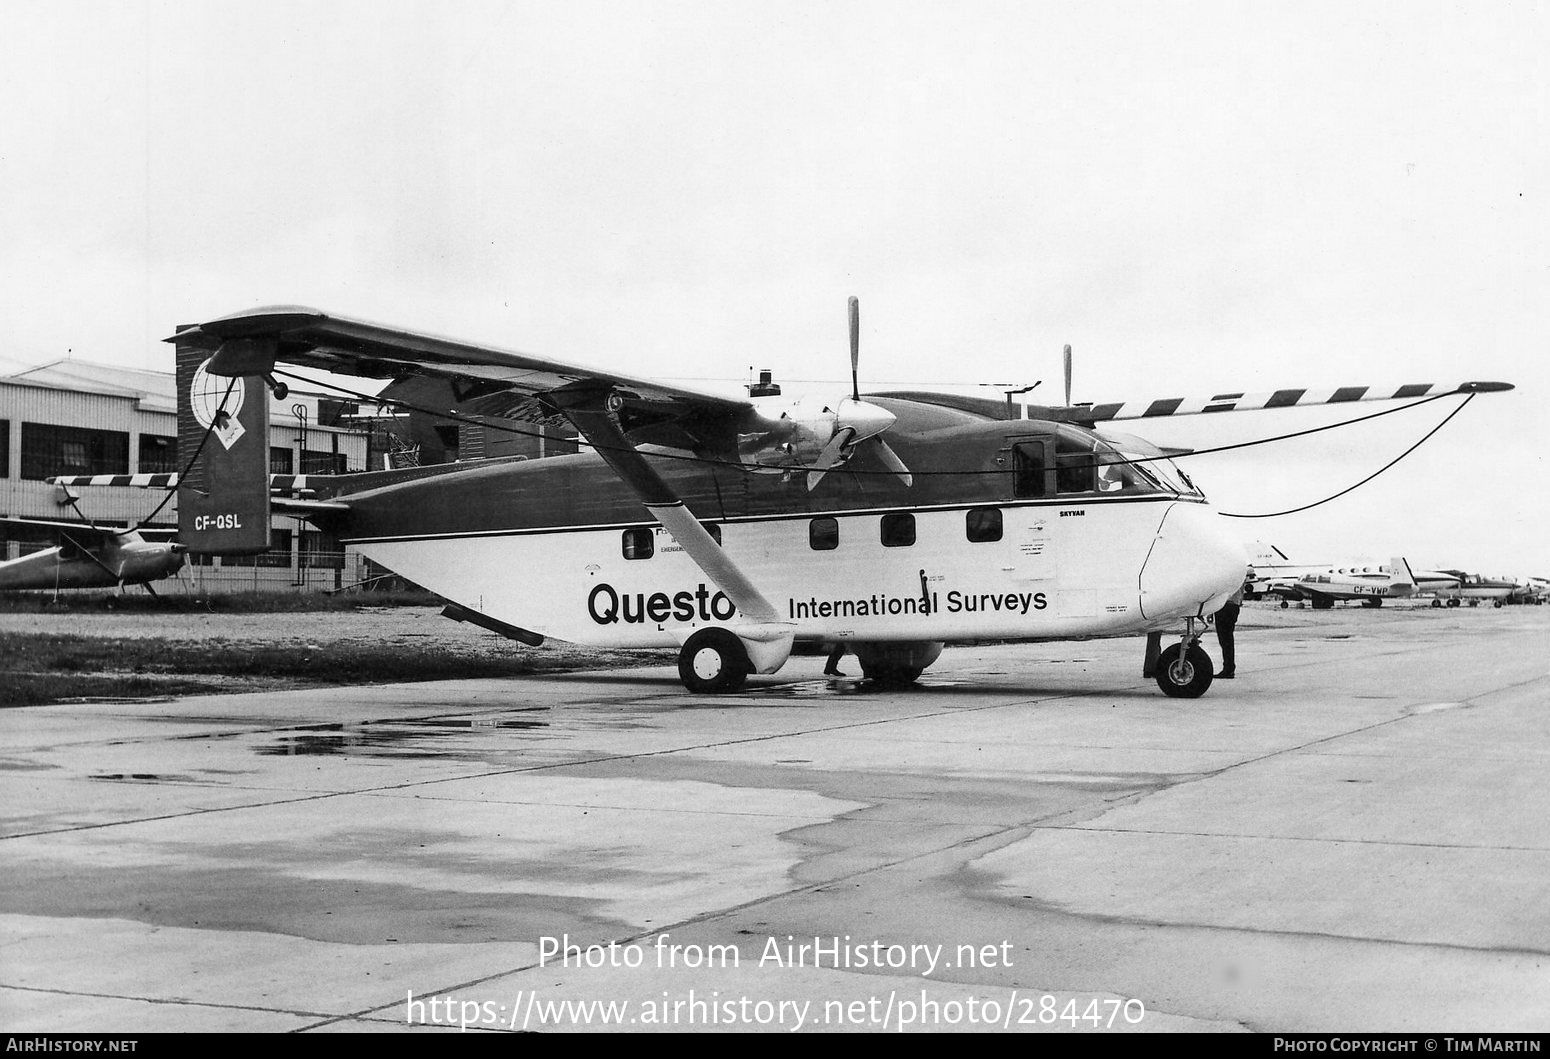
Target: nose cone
x=1196 y=562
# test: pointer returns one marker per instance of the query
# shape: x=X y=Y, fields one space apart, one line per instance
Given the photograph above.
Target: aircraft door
x=1034 y=558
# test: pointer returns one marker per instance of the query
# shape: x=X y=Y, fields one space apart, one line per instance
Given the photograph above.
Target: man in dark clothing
x=1226 y=622
x=831 y=668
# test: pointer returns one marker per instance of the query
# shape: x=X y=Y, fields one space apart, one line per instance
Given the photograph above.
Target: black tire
x=1185 y=677
x=1284 y=604
x=713 y=661
x=893 y=676
x=1436 y=603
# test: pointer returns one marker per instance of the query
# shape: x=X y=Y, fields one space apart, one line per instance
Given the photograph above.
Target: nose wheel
x=1184 y=668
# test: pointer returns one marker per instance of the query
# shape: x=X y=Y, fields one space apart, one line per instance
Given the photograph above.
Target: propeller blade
x=832 y=456
x=1068 y=376
x=892 y=462
x=855 y=348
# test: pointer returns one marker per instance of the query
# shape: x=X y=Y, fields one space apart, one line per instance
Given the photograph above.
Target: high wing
x=1110 y=411
x=81 y=534
x=1288 y=398
x=506 y=383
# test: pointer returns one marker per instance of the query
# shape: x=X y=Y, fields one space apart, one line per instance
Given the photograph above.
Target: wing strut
x=765 y=635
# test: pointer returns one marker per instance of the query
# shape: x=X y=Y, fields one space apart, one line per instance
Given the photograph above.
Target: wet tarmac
x=1353 y=835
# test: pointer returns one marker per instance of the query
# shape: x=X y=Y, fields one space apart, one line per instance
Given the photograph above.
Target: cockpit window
x=1140 y=465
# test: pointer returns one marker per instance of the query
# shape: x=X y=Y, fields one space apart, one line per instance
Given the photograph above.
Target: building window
x=279 y=553
x=982 y=524
x=898 y=529
x=315 y=462
x=823 y=534
x=49 y=450
x=638 y=542
x=158 y=454
x=5 y=448
x=281 y=461
x=321 y=551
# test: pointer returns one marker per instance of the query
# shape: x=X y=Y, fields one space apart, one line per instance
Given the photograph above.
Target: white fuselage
x=1060 y=569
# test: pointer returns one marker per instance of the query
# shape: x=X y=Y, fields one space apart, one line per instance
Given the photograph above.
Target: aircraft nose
x=1197 y=560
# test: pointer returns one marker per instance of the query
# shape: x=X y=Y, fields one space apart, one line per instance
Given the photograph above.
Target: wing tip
x=266 y=319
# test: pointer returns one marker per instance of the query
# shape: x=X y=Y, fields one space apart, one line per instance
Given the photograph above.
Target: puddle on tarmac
x=397 y=738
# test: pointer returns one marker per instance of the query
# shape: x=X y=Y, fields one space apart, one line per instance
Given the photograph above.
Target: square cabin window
x=1028 y=469
x=638 y=543
x=981 y=524
x=823 y=534
x=898 y=530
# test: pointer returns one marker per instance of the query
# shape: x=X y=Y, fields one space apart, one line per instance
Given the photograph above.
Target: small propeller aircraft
x=1370 y=584
x=731 y=528
x=1472 y=588
x=89 y=556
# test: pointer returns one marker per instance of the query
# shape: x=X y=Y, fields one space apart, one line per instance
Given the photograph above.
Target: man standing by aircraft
x=1226 y=623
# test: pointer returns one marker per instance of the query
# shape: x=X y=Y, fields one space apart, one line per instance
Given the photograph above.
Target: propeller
x=1068 y=376
x=857 y=421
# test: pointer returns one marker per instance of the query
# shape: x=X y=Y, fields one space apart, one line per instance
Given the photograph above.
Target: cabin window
x=823 y=534
x=898 y=530
x=1075 y=467
x=714 y=531
x=638 y=542
x=982 y=524
x=281 y=461
x=1028 y=466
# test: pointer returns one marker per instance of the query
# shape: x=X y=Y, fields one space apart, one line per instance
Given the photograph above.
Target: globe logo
x=216 y=401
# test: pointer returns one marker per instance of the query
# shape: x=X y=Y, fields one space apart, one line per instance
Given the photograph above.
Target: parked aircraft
x=730 y=528
x=1371 y=584
x=1472 y=588
x=89 y=557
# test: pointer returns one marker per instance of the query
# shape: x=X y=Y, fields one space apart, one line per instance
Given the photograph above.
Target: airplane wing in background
x=80 y=534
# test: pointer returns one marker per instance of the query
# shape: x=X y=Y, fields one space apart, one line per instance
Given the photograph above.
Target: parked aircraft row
x=1271 y=574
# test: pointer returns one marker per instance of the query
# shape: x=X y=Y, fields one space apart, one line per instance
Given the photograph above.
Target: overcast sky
x=1199 y=197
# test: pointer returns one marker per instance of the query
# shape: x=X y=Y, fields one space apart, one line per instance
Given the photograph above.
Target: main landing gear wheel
x=1184 y=674
x=713 y=661
x=893 y=676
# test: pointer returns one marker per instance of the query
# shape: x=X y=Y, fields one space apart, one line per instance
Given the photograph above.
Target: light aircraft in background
x=1369 y=584
x=730 y=528
x=89 y=556
x=1472 y=588
x=1273 y=574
